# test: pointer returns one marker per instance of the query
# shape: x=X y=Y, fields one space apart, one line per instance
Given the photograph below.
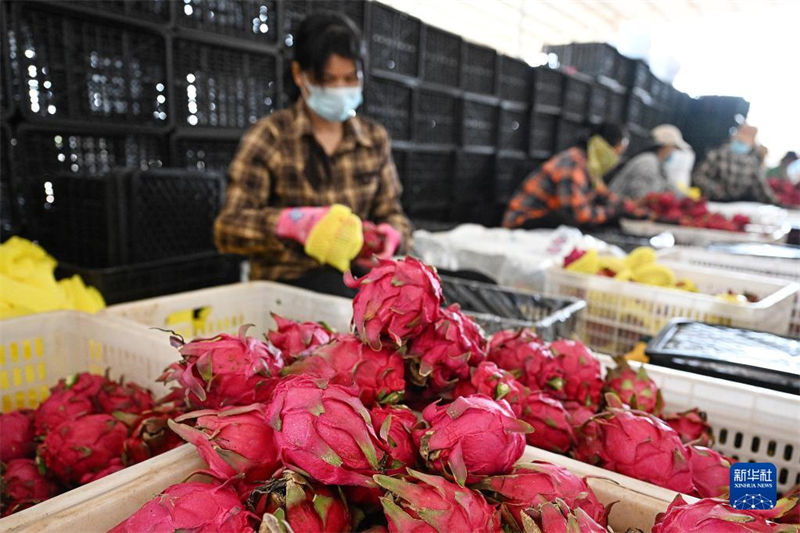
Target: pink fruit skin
x=396 y=301
x=634 y=387
x=532 y=484
x=324 y=430
x=510 y=349
x=582 y=373
x=127 y=397
x=243 y=370
x=379 y=375
x=578 y=413
x=425 y=503
x=691 y=425
x=710 y=472
x=16 y=435
x=557 y=517
x=150 y=437
x=114 y=466
x=471 y=437
x=83 y=446
x=552 y=425
x=395 y=435
x=709 y=516
x=490 y=380
x=196 y=507
x=71 y=398
x=23 y=486
x=297 y=339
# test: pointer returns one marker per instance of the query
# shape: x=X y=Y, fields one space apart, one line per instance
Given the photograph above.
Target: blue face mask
x=669 y=158
x=336 y=104
x=739 y=147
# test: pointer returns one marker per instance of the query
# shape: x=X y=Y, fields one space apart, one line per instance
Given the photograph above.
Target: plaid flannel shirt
x=561 y=193
x=279 y=164
x=727 y=177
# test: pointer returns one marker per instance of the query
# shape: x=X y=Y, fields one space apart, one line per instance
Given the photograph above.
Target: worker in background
x=305 y=178
x=780 y=172
x=569 y=187
x=735 y=171
x=645 y=172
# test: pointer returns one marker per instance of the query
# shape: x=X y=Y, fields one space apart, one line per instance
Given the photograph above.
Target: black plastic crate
x=659 y=90
x=436 y=118
x=203 y=153
x=389 y=103
x=543 y=134
x=394 y=40
x=427 y=184
x=514 y=129
x=638 y=140
x=576 y=96
x=569 y=133
x=135 y=282
x=596 y=59
x=479 y=70
x=516 y=80
x=441 y=57
x=509 y=173
x=67 y=66
x=473 y=188
x=255 y=20
x=599 y=103
x=294 y=11
x=548 y=85
x=639 y=75
x=616 y=107
x=8 y=211
x=222 y=87
x=156 y=11
x=479 y=123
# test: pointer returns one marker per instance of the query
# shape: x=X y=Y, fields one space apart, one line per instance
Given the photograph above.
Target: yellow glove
x=336 y=239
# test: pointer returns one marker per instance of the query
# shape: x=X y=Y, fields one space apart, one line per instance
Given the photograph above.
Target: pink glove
x=391 y=240
x=296 y=222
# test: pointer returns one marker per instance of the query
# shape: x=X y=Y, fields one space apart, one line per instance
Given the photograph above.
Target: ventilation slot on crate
x=479 y=69
x=436 y=118
x=441 y=57
x=389 y=103
x=479 y=124
x=395 y=40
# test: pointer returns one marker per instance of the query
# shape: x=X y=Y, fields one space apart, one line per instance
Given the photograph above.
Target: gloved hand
x=391 y=240
x=331 y=235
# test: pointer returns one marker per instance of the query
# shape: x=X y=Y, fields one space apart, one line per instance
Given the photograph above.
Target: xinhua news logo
x=754 y=486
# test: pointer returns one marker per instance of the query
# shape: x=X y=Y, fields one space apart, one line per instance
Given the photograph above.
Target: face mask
x=669 y=158
x=336 y=104
x=739 y=147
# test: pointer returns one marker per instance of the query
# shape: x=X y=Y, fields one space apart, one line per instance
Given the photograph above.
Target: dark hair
x=612 y=132
x=322 y=34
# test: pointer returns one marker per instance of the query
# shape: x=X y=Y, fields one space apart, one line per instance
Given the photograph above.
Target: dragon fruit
x=378 y=374
x=23 y=486
x=115 y=465
x=394 y=426
x=125 y=397
x=582 y=374
x=552 y=426
x=16 y=428
x=71 y=398
x=471 y=437
x=494 y=382
x=713 y=515
x=297 y=339
x=634 y=387
x=374 y=241
x=533 y=484
x=691 y=425
x=325 y=431
x=710 y=471
x=426 y=503
x=83 y=446
x=578 y=413
x=305 y=506
x=442 y=353
x=396 y=301
x=510 y=349
x=225 y=370
x=234 y=440
x=557 y=517
x=195 y=506
x=150 y=436
x=636 y=444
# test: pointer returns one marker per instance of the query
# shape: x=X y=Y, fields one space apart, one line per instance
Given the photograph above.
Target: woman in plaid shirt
x=305 y=178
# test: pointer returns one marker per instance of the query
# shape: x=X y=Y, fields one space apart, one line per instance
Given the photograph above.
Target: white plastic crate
x=38 y=350
x=703 y=236
x=788 y=269
x=749 y=423
x=619 y=313
x=206 y=312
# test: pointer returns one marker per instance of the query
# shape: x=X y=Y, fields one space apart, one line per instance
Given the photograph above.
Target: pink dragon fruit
x=396 y=301
x=471 y=437
x=325 y=431
x=533 y=484
x=226 y=370
x=379 y=375
x=636 y=444
x=83 y=446
x=510 y=349
x=150 y=436
x=125 y=397
x=578 y=413
x=196 y=507
x=634 y=387
x=234 y=440
x=552 y=426
x=496 y=383
x=442 y=353
x=713 y=515
x=691 y=425
x=710 y=471
x=428 y=504
x=394 y=425
x=23 y=486
x=557 y=517
x=16 y=428
x=305 y=506
x=582 y=374
x=792 y=516
x=71 y=398
x=115 y=465
x=297 y=339
x=374 y=241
